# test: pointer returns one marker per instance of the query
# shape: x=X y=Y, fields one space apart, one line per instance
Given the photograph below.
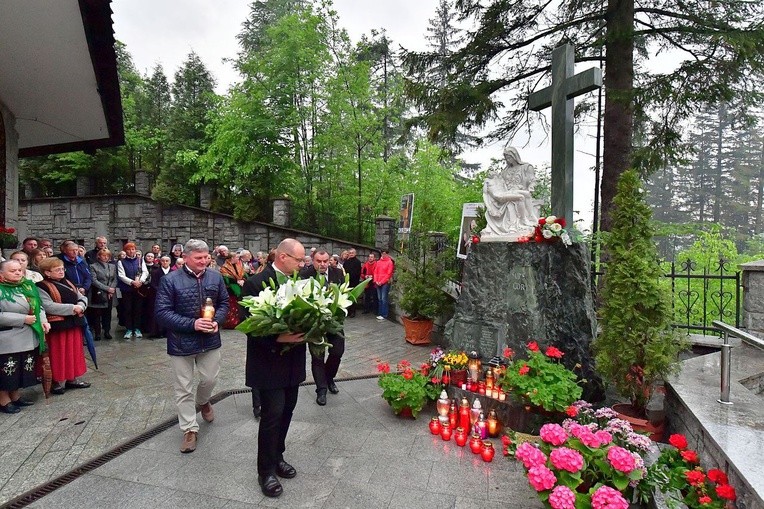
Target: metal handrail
x=726 y=360
x=735 y=332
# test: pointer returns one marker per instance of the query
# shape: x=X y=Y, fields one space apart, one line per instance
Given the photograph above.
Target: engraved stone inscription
x=521 y=288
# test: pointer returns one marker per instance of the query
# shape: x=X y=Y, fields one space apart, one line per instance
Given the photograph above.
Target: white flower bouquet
x=307 y=306
x=550 y=229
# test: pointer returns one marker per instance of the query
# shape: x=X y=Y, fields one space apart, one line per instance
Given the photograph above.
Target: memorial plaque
x=465 y=336
x=521 y=288
x=489 y=340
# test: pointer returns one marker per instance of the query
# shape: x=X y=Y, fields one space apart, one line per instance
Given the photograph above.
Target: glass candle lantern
x=476 y=444
x=464 y=414
x=481 y=428
x=460 y=436
x=445 y=432
x=474 y=365
x=443 y=404
x=502 y=395
x=475 y=411
x=481 y=388
x=489 y=379
x=492 y=424
x=453 y=415
x=435 y=426
x=487 y=451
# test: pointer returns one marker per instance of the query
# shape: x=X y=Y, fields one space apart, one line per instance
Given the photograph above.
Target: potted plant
x=679 y=475
x=541 y=380
x=636 y=346
x=8 y=238
x=591 y=460
x=407 y=390
x=422 y=282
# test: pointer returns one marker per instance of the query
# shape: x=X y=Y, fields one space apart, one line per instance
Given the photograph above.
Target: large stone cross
x=559 y=95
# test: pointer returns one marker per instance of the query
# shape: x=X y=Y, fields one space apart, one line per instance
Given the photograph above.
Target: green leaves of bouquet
x=309 y=306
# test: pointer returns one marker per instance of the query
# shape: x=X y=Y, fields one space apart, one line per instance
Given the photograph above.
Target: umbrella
x=89 y=341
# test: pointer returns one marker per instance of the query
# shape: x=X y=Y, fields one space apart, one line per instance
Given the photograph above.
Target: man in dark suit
x=352 y=268
x=276 y=375
x=324 y=371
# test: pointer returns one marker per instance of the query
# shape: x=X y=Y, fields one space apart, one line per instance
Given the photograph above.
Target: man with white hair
x=222 y=255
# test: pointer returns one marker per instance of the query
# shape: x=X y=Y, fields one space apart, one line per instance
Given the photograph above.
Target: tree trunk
x=718 y=192
x=619 y=114
x=759 y=191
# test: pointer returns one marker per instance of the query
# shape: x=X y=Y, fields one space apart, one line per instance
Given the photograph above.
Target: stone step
x=710 y=341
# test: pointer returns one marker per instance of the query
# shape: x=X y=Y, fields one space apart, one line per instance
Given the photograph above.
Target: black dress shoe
x=285 y=470
x=22 y=402
x=256 y=412
x=270 y=486
x=97 y=338
x=106 y=335
x=321 y=398
x=10 y=408
x=59 y=390
x=79 y=384
x=333 y=388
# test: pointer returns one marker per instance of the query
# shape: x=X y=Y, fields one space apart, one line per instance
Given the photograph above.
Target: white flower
x=551 y=219
x=547 y=234
x=565 y=238
x=555 y=227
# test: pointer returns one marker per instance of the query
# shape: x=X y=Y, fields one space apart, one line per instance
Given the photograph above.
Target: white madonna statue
x=510 y=210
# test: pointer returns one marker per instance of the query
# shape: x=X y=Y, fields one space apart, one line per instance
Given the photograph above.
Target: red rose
x=726 y=491
x=475 y=239
x=554 y=353
x=705 y=499
x=524 y=370
x=718 y=476
x=571 y=411
x=533 y=346
x=561 y=221
x=542 y=221
x=678 y=441
x=505 y=440
x=690 y=456
x=695 y=477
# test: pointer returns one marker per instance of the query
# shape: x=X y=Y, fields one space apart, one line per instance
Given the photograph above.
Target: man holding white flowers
x=275 y=373
x=325 y=368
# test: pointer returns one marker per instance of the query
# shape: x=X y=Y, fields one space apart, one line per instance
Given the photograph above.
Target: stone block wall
x=144 y=221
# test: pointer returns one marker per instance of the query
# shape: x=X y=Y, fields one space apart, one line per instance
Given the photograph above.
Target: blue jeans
x=382 y=300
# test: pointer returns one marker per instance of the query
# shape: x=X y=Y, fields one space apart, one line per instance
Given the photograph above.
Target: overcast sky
x=166 y=31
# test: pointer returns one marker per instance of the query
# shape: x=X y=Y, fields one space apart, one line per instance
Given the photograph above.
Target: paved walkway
x=337 y=447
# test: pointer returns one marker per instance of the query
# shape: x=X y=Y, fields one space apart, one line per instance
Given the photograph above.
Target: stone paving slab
x=391 y=463
x=132 y=393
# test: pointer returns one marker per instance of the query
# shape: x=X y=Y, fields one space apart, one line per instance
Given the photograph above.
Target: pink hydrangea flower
x=541 y=478
x=530 y=455
x=603 y=436
x=621 y=459
x=553 y=434
x=565 y=458
x=608 y=498
x=577 y=429
x=589 y=439
x=562 y=497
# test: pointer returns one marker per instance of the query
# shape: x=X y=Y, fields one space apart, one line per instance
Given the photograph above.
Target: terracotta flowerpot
x=417 y=331
x=639 y=423
x=406 y=412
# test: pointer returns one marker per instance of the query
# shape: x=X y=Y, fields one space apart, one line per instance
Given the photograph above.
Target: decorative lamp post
x=474 y=365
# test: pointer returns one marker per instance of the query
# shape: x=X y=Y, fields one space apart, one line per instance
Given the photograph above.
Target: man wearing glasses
x=276 y=375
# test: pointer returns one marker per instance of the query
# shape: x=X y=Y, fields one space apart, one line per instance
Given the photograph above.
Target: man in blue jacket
x=77 y=270
x=192 y=340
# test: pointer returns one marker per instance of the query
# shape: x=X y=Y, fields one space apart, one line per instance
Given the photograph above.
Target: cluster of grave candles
x=459 y=422
x=487 y=387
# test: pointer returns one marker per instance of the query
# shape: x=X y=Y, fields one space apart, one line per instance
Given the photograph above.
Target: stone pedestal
x=282 y=211
x=513 y=293
x=385 y=234
x=142 y=183
x=753 y=297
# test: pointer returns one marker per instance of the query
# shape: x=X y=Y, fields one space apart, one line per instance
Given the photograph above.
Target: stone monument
x=515 y=292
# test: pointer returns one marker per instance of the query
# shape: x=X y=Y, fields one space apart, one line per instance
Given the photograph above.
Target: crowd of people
x=48 y=303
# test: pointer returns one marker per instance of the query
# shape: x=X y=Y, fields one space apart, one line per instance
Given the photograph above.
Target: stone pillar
x=84 y=185
x=753 y=296
x=205 y=196
x=142 y=183
x=385 y=235
x=282 y=211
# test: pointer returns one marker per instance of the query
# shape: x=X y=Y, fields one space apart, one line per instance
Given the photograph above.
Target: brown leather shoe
x=208 y=414
x=189 y=442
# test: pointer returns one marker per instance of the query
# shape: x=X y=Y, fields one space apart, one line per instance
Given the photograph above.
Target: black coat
x=268 y=366
x=352 y=267
x=334 y=275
